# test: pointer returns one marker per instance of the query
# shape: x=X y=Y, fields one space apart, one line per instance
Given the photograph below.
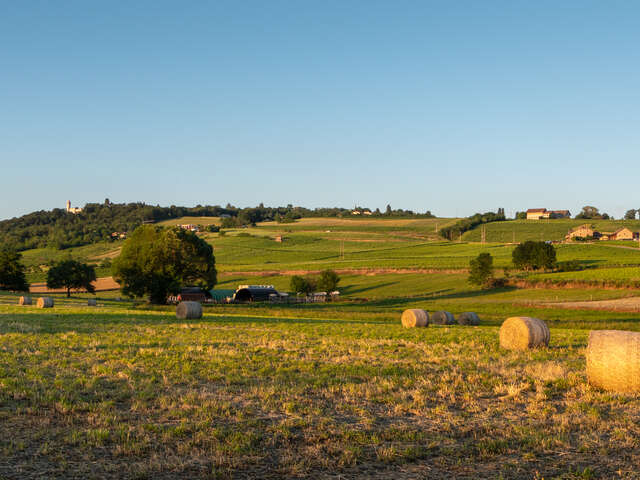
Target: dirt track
x=629 y=304
x=344 y=271
x=102 y=284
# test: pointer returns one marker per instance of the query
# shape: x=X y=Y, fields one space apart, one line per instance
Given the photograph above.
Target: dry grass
x=135 y=394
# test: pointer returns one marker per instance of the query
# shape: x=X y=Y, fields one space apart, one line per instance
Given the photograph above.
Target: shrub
x=570 y=266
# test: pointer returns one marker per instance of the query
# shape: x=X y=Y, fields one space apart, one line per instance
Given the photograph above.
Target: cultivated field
x=334 y=390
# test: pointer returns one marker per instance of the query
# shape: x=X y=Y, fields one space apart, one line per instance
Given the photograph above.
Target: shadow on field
x=437 y=296
x=351 y=290
x=43 y=323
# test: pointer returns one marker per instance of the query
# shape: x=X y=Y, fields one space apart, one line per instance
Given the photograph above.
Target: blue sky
x=454 y=107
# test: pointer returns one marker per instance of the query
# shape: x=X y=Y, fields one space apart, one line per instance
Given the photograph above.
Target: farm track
x=629 y=304
x=344 y=271
x=102 y=284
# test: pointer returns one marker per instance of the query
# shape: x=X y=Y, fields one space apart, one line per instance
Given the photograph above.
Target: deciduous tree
x=328 y=281
x=71 y=274
x=12 y=275
x=532 y=255
x=481 y=270
x=156 y=262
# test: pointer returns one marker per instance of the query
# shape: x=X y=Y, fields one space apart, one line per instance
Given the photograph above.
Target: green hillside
x=516 y=231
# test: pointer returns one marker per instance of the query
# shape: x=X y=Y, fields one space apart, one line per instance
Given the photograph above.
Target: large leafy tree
x=71 y=275
x=328 y=281
x=12 y=271
x=158 y=262
x=532 y=255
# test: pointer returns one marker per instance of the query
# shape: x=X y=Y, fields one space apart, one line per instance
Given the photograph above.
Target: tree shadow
x=352 y=290
x=53 y=323
x=439 y=296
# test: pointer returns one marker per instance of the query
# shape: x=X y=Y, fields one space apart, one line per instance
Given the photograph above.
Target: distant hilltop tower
x=70 y=209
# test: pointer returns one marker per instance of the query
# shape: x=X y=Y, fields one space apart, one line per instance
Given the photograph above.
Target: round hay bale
x=188 y=310
x=613 y=360
x=24 y=301
x=523 y=333
x=92 y=302
x=415 y=317
x=468 y=318
x=45 y=302
x=442 y=318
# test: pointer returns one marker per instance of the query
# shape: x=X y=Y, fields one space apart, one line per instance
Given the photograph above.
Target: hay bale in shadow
x=45 y=302
x=189 y=310
x=442 y=317
x=92 y=302
x=613 y=360
x=415 y=317
x=468 y=318
x=24 y=301
x=524 y=333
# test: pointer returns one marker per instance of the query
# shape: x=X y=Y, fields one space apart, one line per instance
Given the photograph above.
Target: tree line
x=457 y=229
x=59 y=229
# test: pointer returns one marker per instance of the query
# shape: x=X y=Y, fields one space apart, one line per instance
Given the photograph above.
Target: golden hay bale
x=24 y=301
x=92 y=302
x=442 y=318
x=187 y=310
x=613 y=360
x=468 y=318
x=45 y=302
x=523 y=333
x=415 y=317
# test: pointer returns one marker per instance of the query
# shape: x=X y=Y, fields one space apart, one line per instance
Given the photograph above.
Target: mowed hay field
x=120 y=393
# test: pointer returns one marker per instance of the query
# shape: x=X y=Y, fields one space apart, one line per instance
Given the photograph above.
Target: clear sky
x=455 y=107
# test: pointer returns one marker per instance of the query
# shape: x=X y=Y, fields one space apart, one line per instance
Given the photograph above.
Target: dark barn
x=254 y=293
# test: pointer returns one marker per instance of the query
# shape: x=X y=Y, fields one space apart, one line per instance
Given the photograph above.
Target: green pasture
x=516 y=231
x=346 y=244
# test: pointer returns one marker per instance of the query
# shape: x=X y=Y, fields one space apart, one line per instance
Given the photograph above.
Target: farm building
x=190 y=226
x=221 y=295
x=254 y=293
x=538 y=213
x=587 y=231
x=559 y=214
x=583 y=231
x=190 y=294
x=621 y=234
